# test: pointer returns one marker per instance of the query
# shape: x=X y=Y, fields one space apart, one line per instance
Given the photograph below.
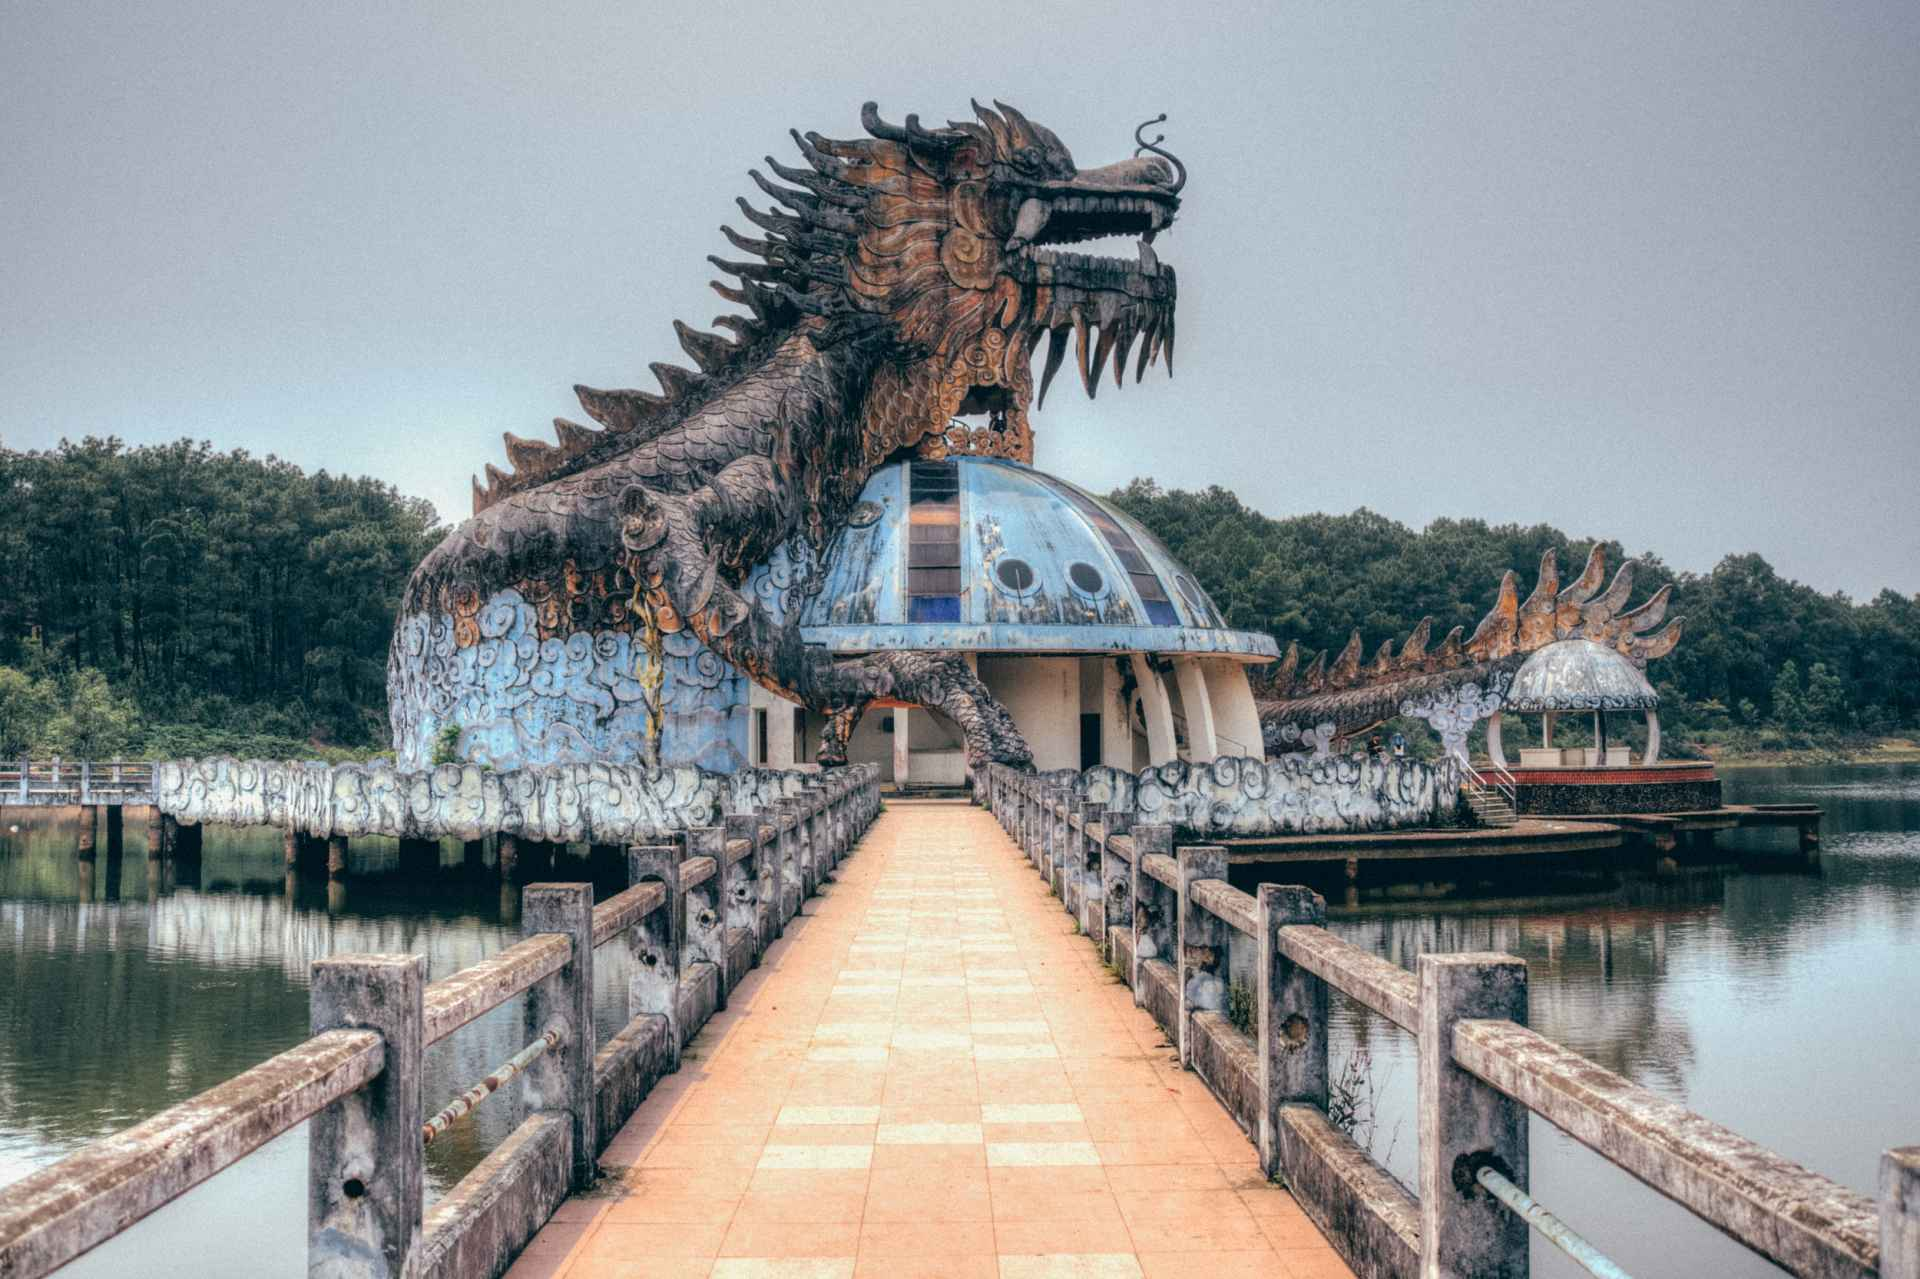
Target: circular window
x=1086 y=578
x=1015 y=576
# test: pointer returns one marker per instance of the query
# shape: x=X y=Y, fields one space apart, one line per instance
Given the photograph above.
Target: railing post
x=365 y=1186
x=1290 y=1004
x=793 y=891
x=1153 y=921
x=653 y=989
x=1465 y=1124
x=561 y=1079
x=743 y=883
x=706 y=910
x=1900 y=1213
x=86 y=782
x=1117 y=878
x=1202 y=948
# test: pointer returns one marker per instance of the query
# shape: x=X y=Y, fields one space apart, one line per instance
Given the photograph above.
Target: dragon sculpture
x=893 y=306
x=1348 y=698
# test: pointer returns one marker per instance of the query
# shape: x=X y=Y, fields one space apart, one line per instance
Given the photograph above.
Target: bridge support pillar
x=1466 y=1124
x=89 y=829
x=336 y=857
x=365 y=1182
x=156 y=834
x=508 y=861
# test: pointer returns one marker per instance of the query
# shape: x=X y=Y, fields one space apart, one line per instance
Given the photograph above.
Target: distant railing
x=57 y=782
x=698 y=915
x=1178 y=934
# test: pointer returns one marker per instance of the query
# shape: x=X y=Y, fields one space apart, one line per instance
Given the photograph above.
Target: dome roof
x=987 y=555
x=1579 y=675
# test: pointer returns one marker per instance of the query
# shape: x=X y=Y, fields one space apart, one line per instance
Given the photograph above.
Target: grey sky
x=1643 y=269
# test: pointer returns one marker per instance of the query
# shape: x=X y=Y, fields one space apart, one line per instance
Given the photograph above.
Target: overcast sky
x=1647 y=270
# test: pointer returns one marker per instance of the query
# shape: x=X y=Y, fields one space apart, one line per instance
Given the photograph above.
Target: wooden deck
x=931 y=1074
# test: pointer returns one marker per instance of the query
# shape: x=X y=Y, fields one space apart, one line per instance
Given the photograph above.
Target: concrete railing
x=1241 y=983
x=57 y=782
x=698 y=914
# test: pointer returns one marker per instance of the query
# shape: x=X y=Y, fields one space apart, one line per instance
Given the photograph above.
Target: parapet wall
x=1293 y=795
x=573 y=803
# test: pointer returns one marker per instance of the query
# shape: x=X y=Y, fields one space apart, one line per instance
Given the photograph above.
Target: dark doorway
x=1090 y=741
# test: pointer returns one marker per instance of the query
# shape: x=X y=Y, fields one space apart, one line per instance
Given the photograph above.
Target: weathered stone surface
x=1226 y=1061
x=570 y=803
x=625 y=1071
x=49 y=1217
x=458 y=998
x=480 y=1224
x=1159 y=993
x=1380 y=984
x=1368 y=1216
x=1799 y=1219
x=1234 y=797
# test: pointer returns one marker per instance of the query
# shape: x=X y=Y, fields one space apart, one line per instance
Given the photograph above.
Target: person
x=1399 y=746
x=1373 y=746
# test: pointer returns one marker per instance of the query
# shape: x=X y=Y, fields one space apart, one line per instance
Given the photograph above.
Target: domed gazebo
x=1101 y=645
x=1578 y=675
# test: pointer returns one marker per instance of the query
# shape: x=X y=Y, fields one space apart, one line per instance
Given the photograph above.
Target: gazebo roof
x=1579 y=675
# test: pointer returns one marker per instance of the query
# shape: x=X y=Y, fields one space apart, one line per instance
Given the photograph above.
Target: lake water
x=1771 y=996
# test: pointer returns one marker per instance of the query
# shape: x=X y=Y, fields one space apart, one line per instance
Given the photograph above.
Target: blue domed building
x=1102 y=646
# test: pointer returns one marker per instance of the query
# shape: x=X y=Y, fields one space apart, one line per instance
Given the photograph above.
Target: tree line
x=1764 y=662
x=171 y=599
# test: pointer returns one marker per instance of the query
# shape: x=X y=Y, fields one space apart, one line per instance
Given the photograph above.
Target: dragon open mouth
x=1107 y=303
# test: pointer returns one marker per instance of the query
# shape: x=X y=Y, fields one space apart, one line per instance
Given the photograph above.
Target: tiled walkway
x=931 y=1074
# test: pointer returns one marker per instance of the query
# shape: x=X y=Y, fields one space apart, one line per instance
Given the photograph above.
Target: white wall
x=1043 y=696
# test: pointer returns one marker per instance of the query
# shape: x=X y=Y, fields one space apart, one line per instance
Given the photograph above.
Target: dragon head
x=949 y=238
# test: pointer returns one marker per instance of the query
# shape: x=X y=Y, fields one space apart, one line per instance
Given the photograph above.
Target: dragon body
x=892 y=305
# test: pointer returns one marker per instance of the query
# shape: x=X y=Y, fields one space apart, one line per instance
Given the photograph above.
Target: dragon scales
x=893 y=307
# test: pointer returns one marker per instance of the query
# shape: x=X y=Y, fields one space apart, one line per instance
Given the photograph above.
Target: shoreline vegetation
x=170 y=600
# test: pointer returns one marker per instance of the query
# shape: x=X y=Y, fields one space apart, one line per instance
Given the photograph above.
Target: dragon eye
x=1027 y=158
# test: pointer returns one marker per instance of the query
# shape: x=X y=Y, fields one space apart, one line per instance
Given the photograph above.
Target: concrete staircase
x=1489 y=806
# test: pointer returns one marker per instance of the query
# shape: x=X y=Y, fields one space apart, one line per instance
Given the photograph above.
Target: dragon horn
x=1584 y=587
x=1494 y=637
x=870 y=121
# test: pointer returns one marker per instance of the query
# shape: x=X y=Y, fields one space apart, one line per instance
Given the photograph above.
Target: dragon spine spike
x=677 y=383
x=1414 y=652
x=1547 y=586
x=709 y=350
x=1315 y=678
x=1584 y=587
x=574 y=438
x=1600 y=611
x=1495 y=636
x=622 y=411
x=1346 y=668
x=1659 y=644
x=530 y=458
x=1452 y=650
x=1382 y=663
x=1648 y=615
x=1289 y=666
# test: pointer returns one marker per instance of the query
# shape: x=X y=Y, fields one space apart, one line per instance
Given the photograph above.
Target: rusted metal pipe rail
x=463 y=1105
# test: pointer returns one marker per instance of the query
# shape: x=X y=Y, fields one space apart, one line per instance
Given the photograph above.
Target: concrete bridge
x=1048 y=1046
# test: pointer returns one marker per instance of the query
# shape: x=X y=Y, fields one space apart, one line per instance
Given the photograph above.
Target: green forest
x=172 y=600
x=1765 y=663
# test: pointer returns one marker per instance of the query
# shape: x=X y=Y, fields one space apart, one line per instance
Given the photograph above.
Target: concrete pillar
x=902 y=748
x=1116 y=876
x=1162 y=746
x=1900 y=1213
x=744 y=907
x=1155 y=908
x=706 y=913
x=1202 y=943
x=290 y=848
x=336 y=857
x=364 y=1176
x=1464 y=1124
x=1290 y=1005
x=1116 y=719
x=508 y=859
x=653 y=990
x=89 y=829
x=561 y=1079
x=1203 y=746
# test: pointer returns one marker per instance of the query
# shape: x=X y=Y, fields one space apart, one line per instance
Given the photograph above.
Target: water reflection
x=133 y=983
x=1771 y=995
